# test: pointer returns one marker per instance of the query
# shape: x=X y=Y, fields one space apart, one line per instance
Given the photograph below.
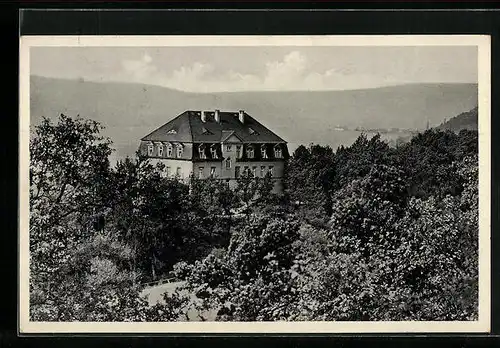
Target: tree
x=80 y=266
x=427 y=161
x=357 y=160
x=98 y=284
x=366 y=210
x=388 y=257
x=309 y=180
x=438 y=255
x=68 y=169
x=252 y=279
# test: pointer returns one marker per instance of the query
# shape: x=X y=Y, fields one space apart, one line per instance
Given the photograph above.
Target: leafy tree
x=365 y=211
x=79 y=269
x=427 y=161
x=356 y=161
x=381 y=262
x=309 y=181
x=68 y=167
x=97 y=284
x=438 y=254
x=253 y=279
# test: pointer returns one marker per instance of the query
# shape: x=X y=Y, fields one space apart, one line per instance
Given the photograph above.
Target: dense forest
x=364 y=232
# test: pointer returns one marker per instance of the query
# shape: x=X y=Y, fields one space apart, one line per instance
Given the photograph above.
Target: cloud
x=288 y=72
x=140 y=69
x=292 y=72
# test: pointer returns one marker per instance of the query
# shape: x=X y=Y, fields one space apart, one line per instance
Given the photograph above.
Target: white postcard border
x=484 y=127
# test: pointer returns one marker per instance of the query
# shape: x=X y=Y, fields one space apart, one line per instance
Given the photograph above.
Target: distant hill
x=130 y=111
x=465 y=120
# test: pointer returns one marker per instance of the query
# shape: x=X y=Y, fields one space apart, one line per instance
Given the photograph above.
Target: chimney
x=217 y=116
x=203 y=116
x=241 y=116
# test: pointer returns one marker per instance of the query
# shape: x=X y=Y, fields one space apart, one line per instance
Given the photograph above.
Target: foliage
x=81 y=270
x=253 y=279
x=385 y=255
x=98 y=285
x=369 y=232
x=68 y=166
x=418 y=262
x=309 y=181
x=427 y=161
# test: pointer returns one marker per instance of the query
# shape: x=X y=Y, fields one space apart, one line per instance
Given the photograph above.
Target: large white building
x=217 y=144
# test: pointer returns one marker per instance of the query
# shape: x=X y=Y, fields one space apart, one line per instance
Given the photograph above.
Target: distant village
x=392 y=130
x=379 y=130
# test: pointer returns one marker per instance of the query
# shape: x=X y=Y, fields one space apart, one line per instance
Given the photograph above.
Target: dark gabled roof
x=190 y=128
x=180 y=125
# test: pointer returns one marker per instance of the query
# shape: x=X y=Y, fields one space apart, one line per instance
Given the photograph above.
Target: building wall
x=207 y=165
x=186 y=167
x=189 y=166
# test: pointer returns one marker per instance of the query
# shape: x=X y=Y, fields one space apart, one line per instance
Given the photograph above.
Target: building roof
x=189 y=127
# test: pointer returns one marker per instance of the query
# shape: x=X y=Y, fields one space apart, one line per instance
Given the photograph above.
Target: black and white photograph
x=255 y=184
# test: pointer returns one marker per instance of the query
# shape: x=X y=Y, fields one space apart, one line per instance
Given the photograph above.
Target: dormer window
x=170 y=150
x=263 y=151
x=250 y=152
x=278 y=153
x=160 y=150
x=252 y=131
x=179 y=151
x=201 y=151
x=213 y=151
x=150 y=149
x=172 y=131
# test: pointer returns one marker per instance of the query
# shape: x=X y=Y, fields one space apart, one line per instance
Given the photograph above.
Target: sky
x=265 y=68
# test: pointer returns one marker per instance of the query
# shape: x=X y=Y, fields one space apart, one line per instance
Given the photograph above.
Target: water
x=324 y=137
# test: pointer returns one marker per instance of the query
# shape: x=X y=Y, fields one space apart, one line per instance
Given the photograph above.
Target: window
x=200 y=173
x=179 y=172
x=213 y=151
x=238 y=151
x=246 y=171
x=237 y=171
x=228 y=163
x=271 y=171
x=170 y=150
x=179 y=151
x=263 y=151
x=250 y=152
x=254 y=172
x=277 y=152
x=229 y=148
x=150 y=150
x=160 y=150
x=201 y=151
x=212 y=172
x=172 y=131
x=168 y=171
x=263 y=171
